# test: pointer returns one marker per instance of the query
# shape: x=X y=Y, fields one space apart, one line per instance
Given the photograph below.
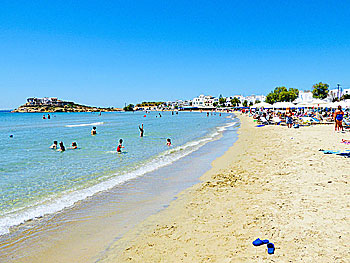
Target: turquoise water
x=35 y=180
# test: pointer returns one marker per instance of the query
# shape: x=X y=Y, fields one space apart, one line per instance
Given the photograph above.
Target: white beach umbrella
x=262 y=105
x=283 y=104
x=318 y=103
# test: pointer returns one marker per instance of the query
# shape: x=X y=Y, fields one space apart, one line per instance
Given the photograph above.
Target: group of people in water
x=61 y=147
x=48 y=117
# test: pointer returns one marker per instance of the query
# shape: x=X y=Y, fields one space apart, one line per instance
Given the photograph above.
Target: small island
x=56 y=105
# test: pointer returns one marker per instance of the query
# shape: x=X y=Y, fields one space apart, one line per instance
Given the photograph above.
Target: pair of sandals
x=270 y=246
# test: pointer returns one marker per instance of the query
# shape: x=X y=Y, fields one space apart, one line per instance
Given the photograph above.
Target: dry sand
x=274 y=184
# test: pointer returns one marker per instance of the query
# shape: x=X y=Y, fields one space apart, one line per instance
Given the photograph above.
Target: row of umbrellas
x=317 y=103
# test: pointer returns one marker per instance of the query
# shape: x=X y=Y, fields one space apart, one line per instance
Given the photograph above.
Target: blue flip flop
x=259 y=242
x=270 y=248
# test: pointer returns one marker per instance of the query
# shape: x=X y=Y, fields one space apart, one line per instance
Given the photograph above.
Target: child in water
x=120 y=146
x=168 y=142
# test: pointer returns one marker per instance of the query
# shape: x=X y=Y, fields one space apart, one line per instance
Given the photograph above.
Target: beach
x=273 y=183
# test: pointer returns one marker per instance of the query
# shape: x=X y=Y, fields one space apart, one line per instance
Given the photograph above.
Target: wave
x=67 y=199
x=85 y=124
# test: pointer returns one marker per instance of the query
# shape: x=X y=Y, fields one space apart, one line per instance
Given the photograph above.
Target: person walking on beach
x=93 y=131
x=141 y=130
x=120 y=146
x=289 y=119
x=338 y=117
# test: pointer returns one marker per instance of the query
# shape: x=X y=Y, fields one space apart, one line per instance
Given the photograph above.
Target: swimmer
x=93 y=131
x=120 y=146
x=54 y=145
x=44 y=118
x=160 y=115
x=168 y=142
x=11 y=136
x=141 y=130
x=74 y=146
x=48 y=116
x=62 y=148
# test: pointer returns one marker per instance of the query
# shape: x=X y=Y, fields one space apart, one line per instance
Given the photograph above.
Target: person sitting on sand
x=62 y=148
x=338 y=117
x=54 y=145
x=120 y=146
x=141 y=130
x=74 y=146
x=93 y=131
x=168 y=142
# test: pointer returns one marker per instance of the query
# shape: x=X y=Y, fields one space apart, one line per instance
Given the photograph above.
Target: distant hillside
x=46 y=105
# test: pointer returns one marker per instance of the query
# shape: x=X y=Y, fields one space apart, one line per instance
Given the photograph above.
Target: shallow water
x=35 y=180
x=86 y=231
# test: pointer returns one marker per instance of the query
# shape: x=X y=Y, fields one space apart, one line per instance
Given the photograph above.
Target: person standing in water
x=62 y=148
x=93 y=131
x=141 y=130
x=120 y=146
x=168 y=142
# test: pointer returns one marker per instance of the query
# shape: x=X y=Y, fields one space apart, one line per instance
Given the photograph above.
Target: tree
x=130 y=107
x=245 y=103
x=282 y=94
x=215 y=104
x=320 y=90
x=235 y=102
x=222 y=100
x=257 y=101
x=345 y=97
x=251 y=103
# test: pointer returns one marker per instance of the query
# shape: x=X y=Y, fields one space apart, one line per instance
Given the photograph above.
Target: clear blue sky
x=105 y=53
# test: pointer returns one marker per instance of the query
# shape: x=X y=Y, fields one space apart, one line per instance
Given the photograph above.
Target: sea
x=36 y=181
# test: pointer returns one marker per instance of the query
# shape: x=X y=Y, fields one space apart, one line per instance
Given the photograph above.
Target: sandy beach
x=274 y=184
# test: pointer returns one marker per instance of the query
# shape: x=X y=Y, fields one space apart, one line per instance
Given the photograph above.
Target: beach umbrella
x=283 y=105
x=262 y=105
x=318 y=103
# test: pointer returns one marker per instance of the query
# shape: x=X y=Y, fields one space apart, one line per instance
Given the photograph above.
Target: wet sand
x=274 y=184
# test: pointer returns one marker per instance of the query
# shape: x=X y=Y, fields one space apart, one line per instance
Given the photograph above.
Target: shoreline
x=71 y=230
x=272 y=183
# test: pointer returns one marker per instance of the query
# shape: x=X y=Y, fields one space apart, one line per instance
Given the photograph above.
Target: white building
x=203 y=101
x=304 y=97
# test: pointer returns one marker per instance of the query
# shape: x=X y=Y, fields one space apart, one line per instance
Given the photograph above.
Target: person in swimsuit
x=93 y=131
x=74 y=146
x=168 y=142
x=54 y=145
x=338 y=117
x=141 y=130
x=62 y=148
x=120 y=146
x=289 y=119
